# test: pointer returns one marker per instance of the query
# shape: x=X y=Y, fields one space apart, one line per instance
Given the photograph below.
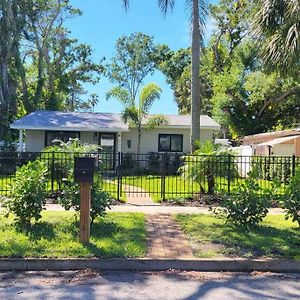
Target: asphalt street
x=89 y=284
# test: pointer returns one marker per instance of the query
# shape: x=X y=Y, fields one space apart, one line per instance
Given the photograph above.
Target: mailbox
x=84 y=169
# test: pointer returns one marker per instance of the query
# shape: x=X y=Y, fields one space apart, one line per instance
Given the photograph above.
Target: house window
x=64 y=136
x=170 y=142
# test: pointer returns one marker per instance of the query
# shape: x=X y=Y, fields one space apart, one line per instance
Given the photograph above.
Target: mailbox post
x=84 y=168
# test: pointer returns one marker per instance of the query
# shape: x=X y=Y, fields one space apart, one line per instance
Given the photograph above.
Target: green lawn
x=211 y=237
x=112 y=189
x=177 y=186
x=56 y=235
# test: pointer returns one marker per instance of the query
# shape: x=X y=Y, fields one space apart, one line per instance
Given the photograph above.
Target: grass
x=177 y=186
x=56 y=235
x=112 y=189
x=211 y=237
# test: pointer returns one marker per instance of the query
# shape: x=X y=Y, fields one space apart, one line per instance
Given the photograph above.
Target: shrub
x=206 y=163
x=291 y=200
x=272 y=167
x=27 y=192
x=172 y=163
x=246 y=206
x=154 y=163
x=127 y=161
x=70 y=198
x=61 y=157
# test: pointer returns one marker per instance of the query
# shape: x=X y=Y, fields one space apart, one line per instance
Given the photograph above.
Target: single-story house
x=280 y=143
x=109 y=131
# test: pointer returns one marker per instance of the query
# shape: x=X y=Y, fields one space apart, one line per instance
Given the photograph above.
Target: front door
x=107 y=142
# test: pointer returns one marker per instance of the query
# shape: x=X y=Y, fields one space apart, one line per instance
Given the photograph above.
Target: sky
x=104 y=21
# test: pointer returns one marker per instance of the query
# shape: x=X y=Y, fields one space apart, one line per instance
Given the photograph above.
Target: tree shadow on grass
x=37 y=231
x=262 y=241
x=118 y=238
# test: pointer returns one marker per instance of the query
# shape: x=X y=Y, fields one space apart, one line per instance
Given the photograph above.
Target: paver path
x=165 y=238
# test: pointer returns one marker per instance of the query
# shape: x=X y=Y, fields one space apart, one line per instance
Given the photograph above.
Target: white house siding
x=149 y=139
x=35 y=140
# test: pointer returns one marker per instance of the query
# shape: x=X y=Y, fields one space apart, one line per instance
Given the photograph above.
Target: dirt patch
x=213 y=247
x=199 y=200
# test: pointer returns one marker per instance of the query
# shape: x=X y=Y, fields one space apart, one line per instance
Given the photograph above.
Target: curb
x=147 y=264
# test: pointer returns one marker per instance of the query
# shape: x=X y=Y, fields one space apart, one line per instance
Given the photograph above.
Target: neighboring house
x=280 y=143
x=109 y=131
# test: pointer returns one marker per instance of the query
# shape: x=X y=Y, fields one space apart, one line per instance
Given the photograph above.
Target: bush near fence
x=273 y=167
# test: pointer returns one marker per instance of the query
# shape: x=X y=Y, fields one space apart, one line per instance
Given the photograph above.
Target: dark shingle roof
x=85 y=121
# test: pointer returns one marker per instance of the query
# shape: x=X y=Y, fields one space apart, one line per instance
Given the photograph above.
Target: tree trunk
x=139 y=141
x=195 y=85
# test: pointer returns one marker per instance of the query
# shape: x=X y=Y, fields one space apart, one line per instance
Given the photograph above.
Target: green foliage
x=246 y=206
x=291 y=199
x=70 y=198
x=278 y=23
x=131 y=63
x=209 y=161
x=61 y=157
x=128 y=161
x=154 y=163
x=53 y=73
x=27 y=192
x=272 y=168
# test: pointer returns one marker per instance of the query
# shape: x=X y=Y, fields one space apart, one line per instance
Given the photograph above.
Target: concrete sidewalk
x=158 y=209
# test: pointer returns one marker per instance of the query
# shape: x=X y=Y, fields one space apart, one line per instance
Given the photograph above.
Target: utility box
x=84 y=169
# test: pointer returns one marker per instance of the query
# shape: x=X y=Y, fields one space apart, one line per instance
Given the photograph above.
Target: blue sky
x=104 y=21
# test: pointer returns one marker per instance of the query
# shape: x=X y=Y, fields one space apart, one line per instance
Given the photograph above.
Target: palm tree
x=136 y=114
x=197 y=11
x=277 y=22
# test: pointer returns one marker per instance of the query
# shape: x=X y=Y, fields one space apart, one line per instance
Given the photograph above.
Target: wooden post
x=85 y=206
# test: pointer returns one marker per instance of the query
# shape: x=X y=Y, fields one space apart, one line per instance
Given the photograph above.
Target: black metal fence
x=159 y=175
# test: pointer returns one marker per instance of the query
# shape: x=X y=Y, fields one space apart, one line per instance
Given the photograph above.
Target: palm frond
x=156 y=121
x=121 y=95
x=126 y=4
x=131 y=115
x=277 y=24
x=148 y=95
x=166 y=5
x=203 y=13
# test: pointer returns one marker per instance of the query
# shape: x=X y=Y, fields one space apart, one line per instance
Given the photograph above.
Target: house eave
x=53 y=128
x=185 y=127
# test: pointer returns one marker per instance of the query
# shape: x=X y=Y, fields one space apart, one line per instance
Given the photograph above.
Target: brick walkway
x=165 y=238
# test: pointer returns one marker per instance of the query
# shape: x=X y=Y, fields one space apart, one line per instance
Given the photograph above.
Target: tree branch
x=292 y=91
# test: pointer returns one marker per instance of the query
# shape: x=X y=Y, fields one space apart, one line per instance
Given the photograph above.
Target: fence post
x=163 y=177
x=228 y=173
x=52 y=171
x=119 y=175
x=293 y=165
